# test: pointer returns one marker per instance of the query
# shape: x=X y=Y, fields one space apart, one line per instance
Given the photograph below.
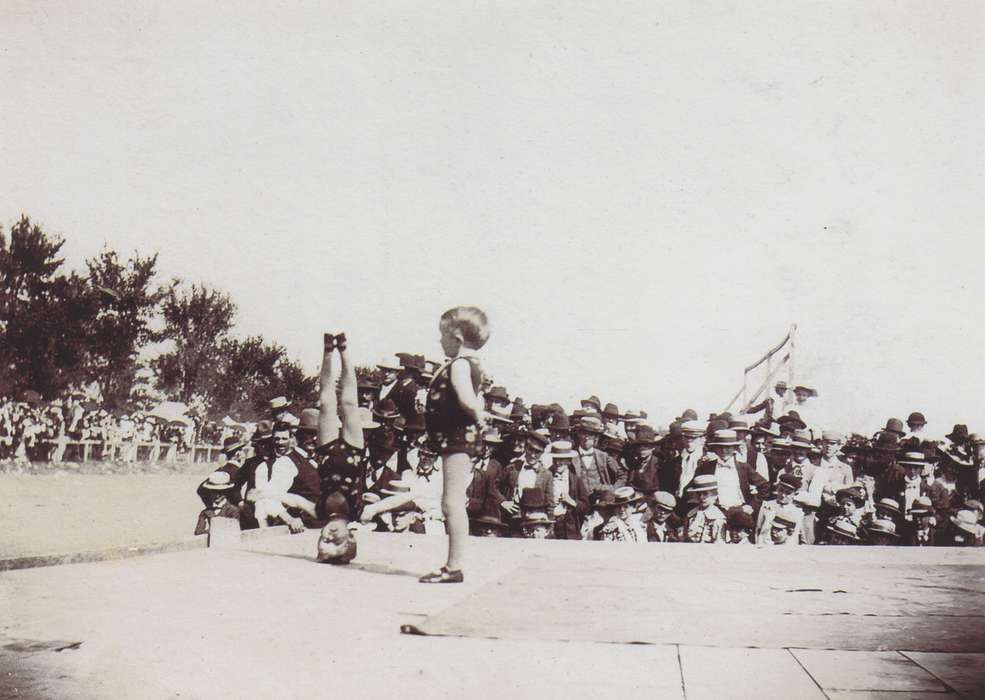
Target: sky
x=643 y=196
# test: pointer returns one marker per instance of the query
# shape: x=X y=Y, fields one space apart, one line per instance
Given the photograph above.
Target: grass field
x=64 y=512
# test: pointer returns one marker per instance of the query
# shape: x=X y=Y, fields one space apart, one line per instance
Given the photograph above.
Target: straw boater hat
x=921 y=505
x=692 y=428
x=704 y=482
x=279 y=403
x=537 y=518
x=389 y=366
x=594 y=402
x=769 y=429
x=916 y=458
x=492 y=436
x=632 y=417
x=724 y=438
x=788 y=518
x=883 y=527
x=739 y=425
x=843 y=528
x=589 y=424
x=803 y=387
x=218 y=481
x=889 y=504
x=966 y=520
x=832 y=436
x=561 y=449
x=625 y=495
x=664 y=500
x=539 y=438
x=802 y=439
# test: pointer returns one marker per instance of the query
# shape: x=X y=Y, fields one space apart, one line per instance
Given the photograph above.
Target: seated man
x=283 y=485
x=215 y=492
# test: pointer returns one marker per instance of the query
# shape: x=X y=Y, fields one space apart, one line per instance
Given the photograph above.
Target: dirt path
x=61 y=513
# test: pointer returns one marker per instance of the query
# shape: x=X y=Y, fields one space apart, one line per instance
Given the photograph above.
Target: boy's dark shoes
x=329 y=340
x=444 y=575
x=340 y=341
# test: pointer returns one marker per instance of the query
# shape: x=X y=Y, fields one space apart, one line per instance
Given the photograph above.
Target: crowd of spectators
x=765 y=477
x=32 y=430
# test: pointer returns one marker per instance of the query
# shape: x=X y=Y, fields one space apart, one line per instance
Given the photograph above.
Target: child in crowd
x=455 y=416
x=706 y=522
x=665 y=524
x=738 y=522
x=624 y=525
x=216 y=489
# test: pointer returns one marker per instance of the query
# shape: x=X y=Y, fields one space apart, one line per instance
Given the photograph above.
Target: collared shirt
x=561 y=490
x=526 y=478
x=277 y=476
x=911 y=492
x=689 y=463
x=729 y=492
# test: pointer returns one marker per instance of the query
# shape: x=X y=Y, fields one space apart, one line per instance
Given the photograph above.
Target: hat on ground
x=788 y=518
x=843 y=528
x=704 y=482
x=611 y=411
x=231 y=444
x=966 y=520
x=387 y=410
x=561 y=449
x=959 y=434
x=309 y=420
x=218 y=481
x=279 y=403
x=739 y=518
x=888 y=504
x=532 y=499
x=624 y=495
x=916 y=418
x=895 y=425
x=498 y=393
x=664 y=500
x=724 y=438
x=593 y=401
x=921 y=505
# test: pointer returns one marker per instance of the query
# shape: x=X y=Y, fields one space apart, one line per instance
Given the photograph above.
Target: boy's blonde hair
x=470 y=321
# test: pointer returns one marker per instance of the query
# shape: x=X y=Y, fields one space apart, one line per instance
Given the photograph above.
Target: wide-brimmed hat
x=789 y=518
x=921 y=505
x=693 y=428
x=387 y=410
x=231 y=444
x=539 y=438
x=791 y=420
x=704 y=482
x=895 y=425
x=958 y=434
x=852 y=492
x=790 y=480
x=218 y=481
x=561 y=449
x=498 y=393
x=802 y=439
x=882 y=526
x=593 y=401
x=632 y=417
x=916 y=458
x=389 y=365
x=589 y=424
x=954 y=458
x=610 y=411
x=624 y=495
x=264 y=431
x=889 y=504
x=724 y=438
x=831 y=436
x=537 y=517
x=811 y=391
x=767 y=428
x=411 y=361
x=664 y=500
x=492 y=436
x=885 y=441
x=279 y=403
x=557 y=421
x=966 y=520
x=843 y=528
x=645 y=436
x=309 y=420
x=916 y=417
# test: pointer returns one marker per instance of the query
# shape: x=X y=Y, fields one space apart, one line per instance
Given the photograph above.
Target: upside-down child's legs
x=457 y=473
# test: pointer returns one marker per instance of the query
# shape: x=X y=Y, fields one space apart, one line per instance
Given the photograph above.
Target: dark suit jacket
x=748 y=476
x=604 y=473
x=644 y=477
x=483 y=493
x=404 y=395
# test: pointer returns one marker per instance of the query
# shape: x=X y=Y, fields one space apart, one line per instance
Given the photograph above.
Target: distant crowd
x=32 y=430
x=764 y=477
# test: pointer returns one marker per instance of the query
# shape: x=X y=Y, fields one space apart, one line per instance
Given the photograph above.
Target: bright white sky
x=643 y=196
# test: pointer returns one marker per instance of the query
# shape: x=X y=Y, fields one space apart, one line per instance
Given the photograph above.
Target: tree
x=127 y=302
x=44 y=316
x=197 y=321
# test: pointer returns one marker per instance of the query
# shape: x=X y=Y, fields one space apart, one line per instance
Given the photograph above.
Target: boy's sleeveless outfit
x=342 y=472
x=450 y=429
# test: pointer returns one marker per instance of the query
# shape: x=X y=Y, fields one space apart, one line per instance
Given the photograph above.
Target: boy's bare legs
x=457 y=474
